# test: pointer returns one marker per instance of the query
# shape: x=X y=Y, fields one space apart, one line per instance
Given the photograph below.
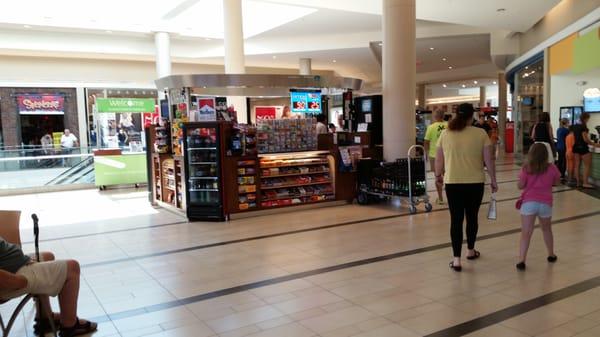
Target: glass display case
x=203 y=160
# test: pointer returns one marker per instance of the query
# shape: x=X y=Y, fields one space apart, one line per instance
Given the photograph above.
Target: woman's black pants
x=463 y=200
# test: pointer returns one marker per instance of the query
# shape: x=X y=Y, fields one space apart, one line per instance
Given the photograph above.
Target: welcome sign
x=41 y=104
x=125 y=104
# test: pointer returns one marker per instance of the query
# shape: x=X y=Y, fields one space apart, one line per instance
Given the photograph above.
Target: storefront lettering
x=39 y=104
x=34 y=105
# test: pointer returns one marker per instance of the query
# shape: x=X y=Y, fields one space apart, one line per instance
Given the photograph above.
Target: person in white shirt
x=321 y=126
x=68 y=140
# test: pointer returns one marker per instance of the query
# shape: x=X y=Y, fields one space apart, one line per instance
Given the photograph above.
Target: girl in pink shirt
x=536 y=180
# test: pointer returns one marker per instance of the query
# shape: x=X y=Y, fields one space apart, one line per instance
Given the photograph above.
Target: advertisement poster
x=591 y=100
x=299 y=102
x=206 y=109
x=314 y=102
x=126 y=104
x=41 y=104
x=266 y=112
x=150 y=119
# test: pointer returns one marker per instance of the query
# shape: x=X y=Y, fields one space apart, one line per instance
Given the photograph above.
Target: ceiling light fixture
x=475 y=82
x=464 y=85
x=445 y=86
x=380 y=44
x=274 y=57
x=449 y=67
x=334 y=61
x=26 y=26
x=109 y=31
x=207 y=39
x=444 y=59
x=431 y=48
x=495 y=82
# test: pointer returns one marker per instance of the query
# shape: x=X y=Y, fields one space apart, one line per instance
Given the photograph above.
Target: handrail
x=47 y=157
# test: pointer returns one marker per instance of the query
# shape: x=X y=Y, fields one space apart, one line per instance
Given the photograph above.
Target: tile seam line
x=79 y=236
x=517 y=309
x=273 y=235
x=308 y=273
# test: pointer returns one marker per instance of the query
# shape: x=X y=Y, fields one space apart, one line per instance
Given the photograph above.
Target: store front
x=527 y=87
x=575 y=84
x=28 y=114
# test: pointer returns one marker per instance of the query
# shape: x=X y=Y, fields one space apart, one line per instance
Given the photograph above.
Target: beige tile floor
x=412 y=295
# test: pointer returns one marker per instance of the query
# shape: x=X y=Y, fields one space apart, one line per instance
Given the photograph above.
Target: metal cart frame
x=412 y=200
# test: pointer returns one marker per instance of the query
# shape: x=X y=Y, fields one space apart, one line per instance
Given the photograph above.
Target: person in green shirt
x=431 y=139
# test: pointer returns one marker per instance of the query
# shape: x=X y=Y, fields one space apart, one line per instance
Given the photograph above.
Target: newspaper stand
x=405 y=179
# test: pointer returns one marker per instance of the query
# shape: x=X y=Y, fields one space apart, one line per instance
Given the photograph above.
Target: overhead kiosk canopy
x=254 y=85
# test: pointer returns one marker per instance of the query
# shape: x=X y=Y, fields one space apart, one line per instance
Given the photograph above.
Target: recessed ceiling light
x=444 y=59
x=495 y=82
x=449 y=67
x=526 y=67
x=207 y=39
x=475 y=82
x=500 y=10
x=445 y=86
x=464 y=85
x=109 y=31
x=274 y=57
x=431 y=48
x=334 y=61
x=26 y=26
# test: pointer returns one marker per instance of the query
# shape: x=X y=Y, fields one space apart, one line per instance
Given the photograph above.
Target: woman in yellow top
x=461 y=153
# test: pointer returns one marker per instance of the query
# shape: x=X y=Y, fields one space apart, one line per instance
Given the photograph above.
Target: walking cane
x=36 y=236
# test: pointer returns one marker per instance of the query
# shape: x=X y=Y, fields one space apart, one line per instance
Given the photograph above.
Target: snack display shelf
x=299 y=196
x=202 y=148
x=294 y=174
x=204 y=178
x=324 y=162
x=264 y=187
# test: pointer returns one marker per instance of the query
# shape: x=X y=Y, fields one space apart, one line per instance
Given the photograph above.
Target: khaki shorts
x=43 y=278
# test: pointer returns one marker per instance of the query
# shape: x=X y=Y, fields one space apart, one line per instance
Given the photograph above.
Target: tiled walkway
x=340 y=271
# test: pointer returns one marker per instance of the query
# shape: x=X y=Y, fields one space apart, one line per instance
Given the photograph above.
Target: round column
x=234 y=51
x=482 y=97
x=162 y=43
x=305 y=66
x=399 y=77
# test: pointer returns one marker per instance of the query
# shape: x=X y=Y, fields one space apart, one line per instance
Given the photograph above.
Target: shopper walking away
x=432 y=135
x=536 y=180
x=561 y=147
x=462 y=150
x=542 y=131
x=581 y=151
x=569 y=143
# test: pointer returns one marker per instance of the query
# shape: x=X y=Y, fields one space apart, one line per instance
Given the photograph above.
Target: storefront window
x=528 y=104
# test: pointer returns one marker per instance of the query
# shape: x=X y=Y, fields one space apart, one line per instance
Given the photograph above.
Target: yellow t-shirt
x=433 y=134
x=463 y=155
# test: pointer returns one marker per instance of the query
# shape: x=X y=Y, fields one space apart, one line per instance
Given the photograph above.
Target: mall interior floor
x=340 y=271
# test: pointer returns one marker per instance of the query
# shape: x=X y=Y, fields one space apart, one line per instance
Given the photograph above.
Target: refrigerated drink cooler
x=203 y=170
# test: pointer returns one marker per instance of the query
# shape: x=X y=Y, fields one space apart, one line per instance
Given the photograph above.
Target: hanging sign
x=125 y=104
x=41 y=104
x=206 y=109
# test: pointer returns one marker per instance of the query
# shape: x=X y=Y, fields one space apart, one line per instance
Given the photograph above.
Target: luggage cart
x=405 y=180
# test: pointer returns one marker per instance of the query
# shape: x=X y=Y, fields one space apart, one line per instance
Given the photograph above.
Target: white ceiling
x=323 y=30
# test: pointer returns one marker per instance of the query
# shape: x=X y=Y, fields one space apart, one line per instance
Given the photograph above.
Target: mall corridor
x=339 y=271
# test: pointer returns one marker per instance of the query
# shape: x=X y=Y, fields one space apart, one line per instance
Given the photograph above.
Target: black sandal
x=552 y=258
x=78 y=329
x=476 y=255
x=455 y=268
x=521 y=266
x=41 y=327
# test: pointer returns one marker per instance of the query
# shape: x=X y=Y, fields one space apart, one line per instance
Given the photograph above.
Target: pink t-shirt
x=539 y=187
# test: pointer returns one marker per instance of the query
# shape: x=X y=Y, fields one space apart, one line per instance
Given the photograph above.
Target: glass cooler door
x=203 y=171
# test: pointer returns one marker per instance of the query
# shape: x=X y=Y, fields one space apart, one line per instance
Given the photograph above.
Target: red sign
x=41 y=104
x=265 y=112
x=150 y=119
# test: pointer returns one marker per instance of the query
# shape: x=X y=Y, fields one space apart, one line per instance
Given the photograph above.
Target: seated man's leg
x=69 y=294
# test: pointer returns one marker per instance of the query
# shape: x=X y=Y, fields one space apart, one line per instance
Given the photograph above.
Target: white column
x=421 y=96
x=399 y=77
x=482 y=97
x=305 y=66
x=162 y=42
x=546 y=99
x=502 y=107
x=82 y=119
x=234 y=51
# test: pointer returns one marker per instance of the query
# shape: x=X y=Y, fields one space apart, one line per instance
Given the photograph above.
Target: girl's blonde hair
x=537 y=159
